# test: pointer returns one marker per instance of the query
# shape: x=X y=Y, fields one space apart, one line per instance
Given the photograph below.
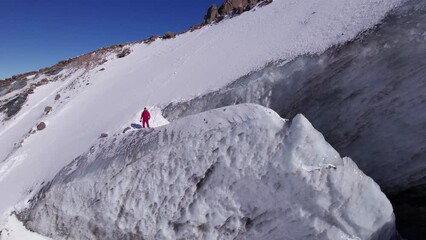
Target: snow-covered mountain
x=105 y=91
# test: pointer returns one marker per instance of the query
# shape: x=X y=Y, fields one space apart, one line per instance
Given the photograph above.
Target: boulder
x=47 y=109
x=41 y=126
x=126 y=129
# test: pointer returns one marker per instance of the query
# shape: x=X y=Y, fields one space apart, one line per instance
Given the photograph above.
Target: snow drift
x=236 y=172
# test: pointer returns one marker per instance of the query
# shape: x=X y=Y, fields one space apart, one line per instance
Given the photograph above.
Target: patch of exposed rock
x=126 y=129
x=169 y=35
x=47 y=110
x=228 y=8
x=151 y=39
x=124 y=53
x=212 y=14
x=41 y=126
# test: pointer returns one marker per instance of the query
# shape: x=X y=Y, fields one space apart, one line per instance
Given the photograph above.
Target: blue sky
x=38 y=33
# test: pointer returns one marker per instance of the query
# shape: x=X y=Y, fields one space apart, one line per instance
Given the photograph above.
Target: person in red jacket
x=145 y=118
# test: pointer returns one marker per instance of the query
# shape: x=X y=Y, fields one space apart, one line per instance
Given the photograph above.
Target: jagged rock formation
x=151 y=39
x=239 y=6
x=41 y=126
x=212 y=14
x=169 y=35
x=228 y=8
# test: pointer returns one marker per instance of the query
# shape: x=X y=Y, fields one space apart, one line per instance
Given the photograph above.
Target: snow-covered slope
x=97 y=101
x=236 y=172
x=15 y=230
x=107 y=95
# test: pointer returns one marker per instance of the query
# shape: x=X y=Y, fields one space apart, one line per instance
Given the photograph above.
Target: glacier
x=366 y=96
x=239 y=172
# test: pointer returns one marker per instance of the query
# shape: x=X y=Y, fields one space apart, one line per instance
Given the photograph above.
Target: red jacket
x=145 y=115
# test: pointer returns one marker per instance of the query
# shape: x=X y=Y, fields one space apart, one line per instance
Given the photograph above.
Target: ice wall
x=237 y=172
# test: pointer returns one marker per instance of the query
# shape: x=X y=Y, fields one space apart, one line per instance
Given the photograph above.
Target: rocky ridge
x=228 y=8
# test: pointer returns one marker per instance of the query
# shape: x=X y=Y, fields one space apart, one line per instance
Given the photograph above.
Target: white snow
x=238 y=172
x=14 y=230
x=31 y=76
x=166 y=70
x=16 y=129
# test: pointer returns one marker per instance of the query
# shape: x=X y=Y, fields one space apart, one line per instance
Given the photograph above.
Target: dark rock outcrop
x=124 y=53
x=41 y=126
x=13 y=106
x=126 y=129
x=169 y=35
x=47 y=109
x=44 y=81
x=236 y=6
x=212 y=14
x=229 y=8
x=151 y=39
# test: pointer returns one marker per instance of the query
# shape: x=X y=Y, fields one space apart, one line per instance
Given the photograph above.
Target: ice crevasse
x=238 y=172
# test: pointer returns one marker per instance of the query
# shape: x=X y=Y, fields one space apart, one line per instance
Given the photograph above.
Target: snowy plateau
x=223 y=161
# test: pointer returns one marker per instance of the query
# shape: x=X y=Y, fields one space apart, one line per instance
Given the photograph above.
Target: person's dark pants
x=143 y=123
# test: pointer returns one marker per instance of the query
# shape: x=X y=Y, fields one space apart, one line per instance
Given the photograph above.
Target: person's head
x=144 y=108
